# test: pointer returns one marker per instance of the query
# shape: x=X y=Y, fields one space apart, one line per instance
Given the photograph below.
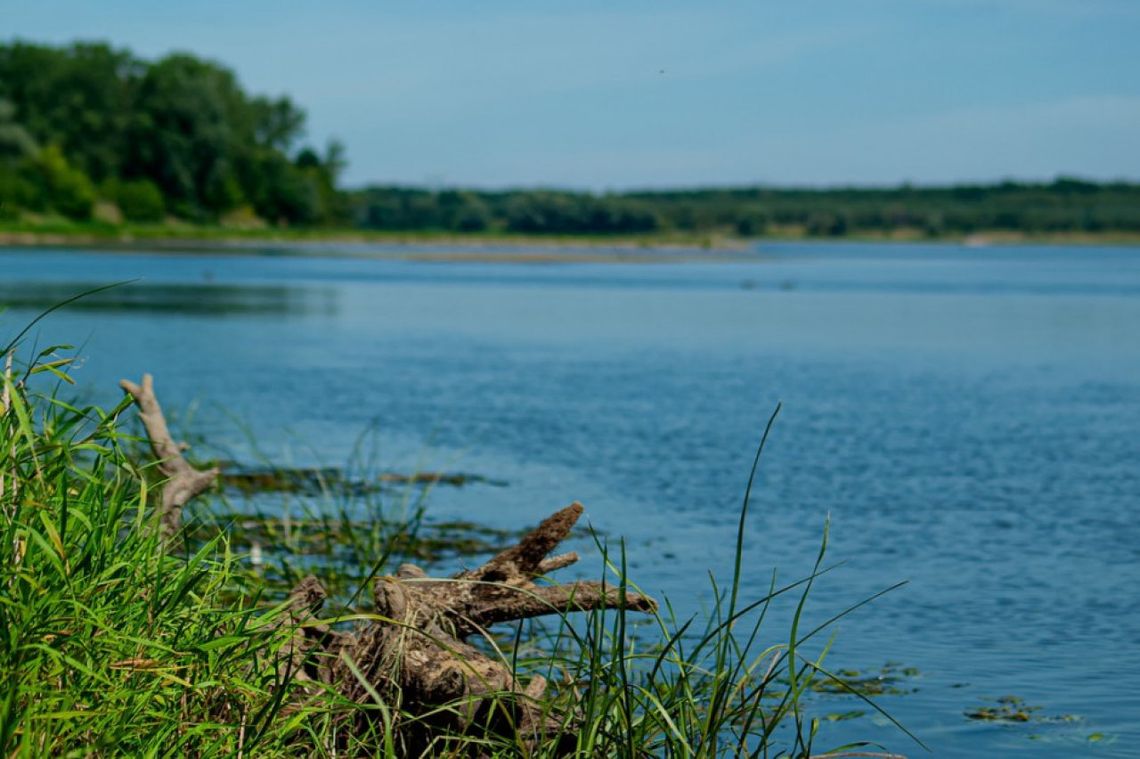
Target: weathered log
x=420 y=651
x=415 y=653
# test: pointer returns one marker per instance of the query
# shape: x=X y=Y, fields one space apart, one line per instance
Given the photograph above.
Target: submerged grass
x=112 y=644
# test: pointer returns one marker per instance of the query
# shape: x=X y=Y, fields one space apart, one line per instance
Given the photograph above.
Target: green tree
x=181 y=123
x=78 y=97
x=58 y=186
x=282 y=192
x=182 y=136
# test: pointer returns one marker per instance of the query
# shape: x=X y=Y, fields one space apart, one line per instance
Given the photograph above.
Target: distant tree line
x=177 y=136
x=88 y=131
x=1064 y=205
x=523 y=211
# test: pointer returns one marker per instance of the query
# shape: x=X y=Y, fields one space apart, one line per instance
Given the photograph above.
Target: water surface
x=968 y=418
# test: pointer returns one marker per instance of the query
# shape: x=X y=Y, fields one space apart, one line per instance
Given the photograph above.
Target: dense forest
x=95 y=134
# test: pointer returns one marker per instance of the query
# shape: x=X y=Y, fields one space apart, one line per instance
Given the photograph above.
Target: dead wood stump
x=416 y=654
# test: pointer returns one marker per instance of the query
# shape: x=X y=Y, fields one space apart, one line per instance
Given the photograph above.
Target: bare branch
x=524 y=558
x=561 y=561
x=508 y=604
x=184 y=482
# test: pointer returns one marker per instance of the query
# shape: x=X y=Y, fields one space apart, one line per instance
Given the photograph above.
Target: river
x=969 y=419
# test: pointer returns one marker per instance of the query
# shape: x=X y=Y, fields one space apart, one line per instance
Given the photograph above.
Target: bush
x=16 y=194
x=58 y=185
x=140 y=200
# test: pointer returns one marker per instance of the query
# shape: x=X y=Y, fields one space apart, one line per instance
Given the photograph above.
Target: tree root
x=414 y=654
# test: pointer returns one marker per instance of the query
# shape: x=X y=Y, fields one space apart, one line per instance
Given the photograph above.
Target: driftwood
x=416 y=654
x=184 y=482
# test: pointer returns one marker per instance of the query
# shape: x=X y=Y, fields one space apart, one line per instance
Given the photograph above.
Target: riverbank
x=182 y=236
x=190 y=235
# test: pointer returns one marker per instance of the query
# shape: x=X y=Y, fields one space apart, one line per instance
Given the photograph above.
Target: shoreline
x=499 y=246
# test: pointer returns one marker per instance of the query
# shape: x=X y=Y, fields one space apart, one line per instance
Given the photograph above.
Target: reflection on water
x=207 y=299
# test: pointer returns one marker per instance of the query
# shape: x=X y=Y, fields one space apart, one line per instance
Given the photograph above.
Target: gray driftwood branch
x=183 y=482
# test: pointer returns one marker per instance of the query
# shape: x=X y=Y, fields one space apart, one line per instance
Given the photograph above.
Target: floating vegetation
x=1004 y=709
x=427 y=542
x=302 y=481
x=1014 y=709
x=1076 y=743
x=456 y=479
x=893 y=679
x=320 y=480
x=1064 y=729
x=844 y=716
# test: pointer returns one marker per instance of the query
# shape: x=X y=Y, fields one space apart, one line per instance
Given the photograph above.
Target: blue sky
x=610 y=95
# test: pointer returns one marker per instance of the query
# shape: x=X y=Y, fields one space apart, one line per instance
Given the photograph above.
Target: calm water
x=969 y=418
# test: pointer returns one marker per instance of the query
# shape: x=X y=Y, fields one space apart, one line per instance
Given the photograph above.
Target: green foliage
x=139 y=200
x=105 y=642
x=78 y=98
x=57 y=186
x=463 y=211
x=181 y=137
x=538 y=212
x=752 y=223
x=1066 y=205
x=16 y=193
x=827 y=224
x=567 y=213
x=283 y=192
x=15 y=142
x=181 y=123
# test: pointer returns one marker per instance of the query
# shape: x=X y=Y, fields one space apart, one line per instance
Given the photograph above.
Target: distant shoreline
x=188 y=237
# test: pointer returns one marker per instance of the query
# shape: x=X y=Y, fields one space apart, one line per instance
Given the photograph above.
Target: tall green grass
x=112 y=644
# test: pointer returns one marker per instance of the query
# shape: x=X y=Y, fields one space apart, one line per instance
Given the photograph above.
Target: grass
x=113 y=644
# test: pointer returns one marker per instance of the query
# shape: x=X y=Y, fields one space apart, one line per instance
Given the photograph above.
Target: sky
x=617 y=95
